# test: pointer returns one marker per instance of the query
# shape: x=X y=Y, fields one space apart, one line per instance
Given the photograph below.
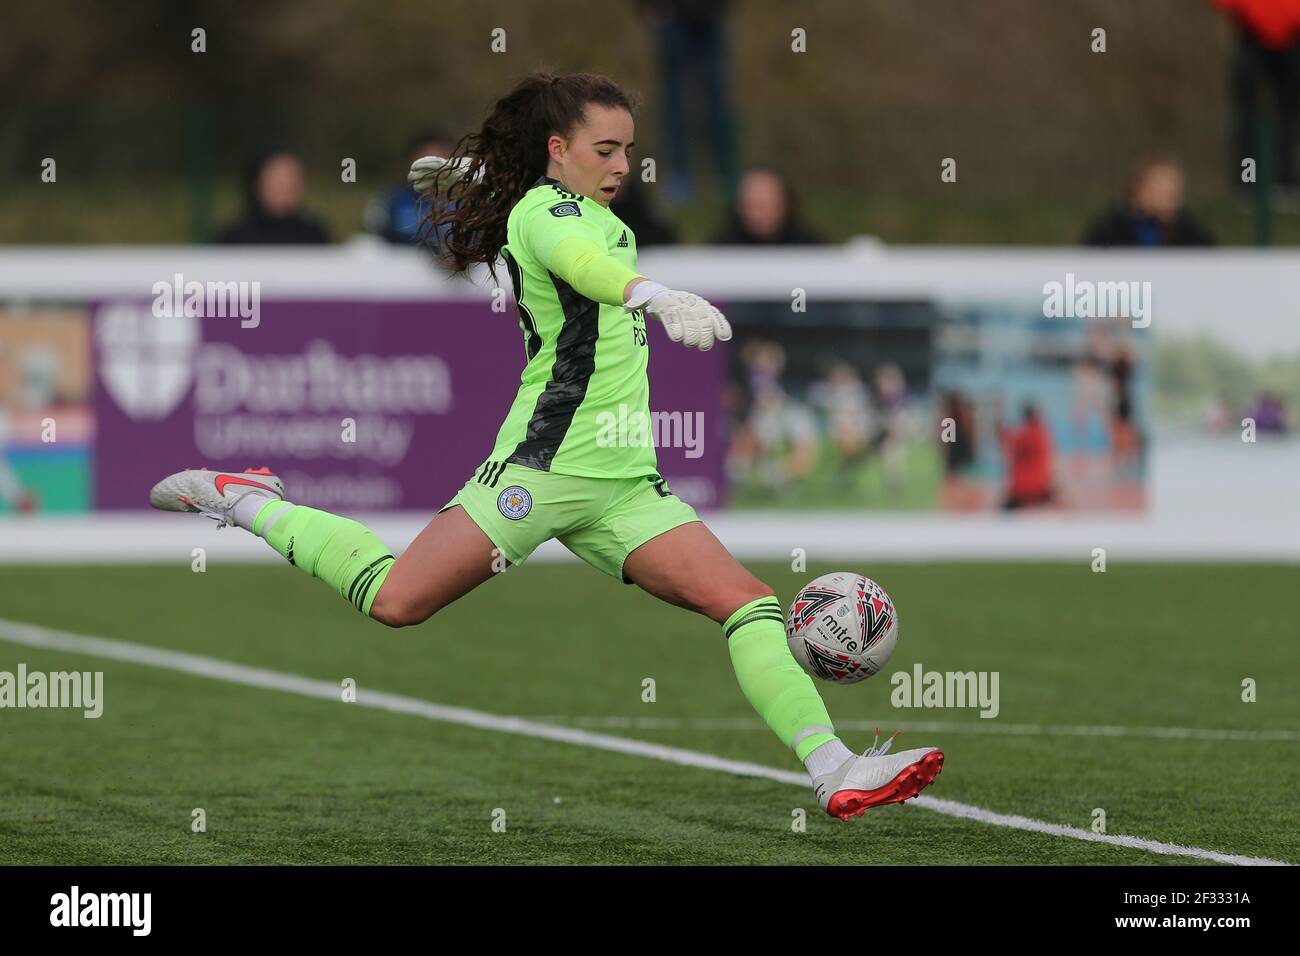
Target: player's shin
x=343 y=553
x=772 y=681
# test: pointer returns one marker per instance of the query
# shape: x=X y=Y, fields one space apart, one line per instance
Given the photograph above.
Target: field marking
x=212 y=668
x=613 y=721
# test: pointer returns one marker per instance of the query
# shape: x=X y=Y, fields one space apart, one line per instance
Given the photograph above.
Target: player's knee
x=724 y=603
x=753 y=592
x=396 y=609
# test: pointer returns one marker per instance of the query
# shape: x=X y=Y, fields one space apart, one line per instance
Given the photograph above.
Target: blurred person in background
x=957 y=411
x=1267 y=53
x=13 y=496
x=1216 y=417
x=395 y=214
x=1087 y=449
x=1269 y=414
x=1028 y=451
x=632 y=205
x=781 y=433
x=1125 y=440
x=273 y=191
x=764 y=361
x=1152 y=212
x=891 y=399
x=742 y=446
x=785 y=433
x=846 y=402
x=694 y=67
x=766 y=212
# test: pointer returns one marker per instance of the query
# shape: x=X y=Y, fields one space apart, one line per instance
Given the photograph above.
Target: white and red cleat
x=877 y=779
x=213 y=493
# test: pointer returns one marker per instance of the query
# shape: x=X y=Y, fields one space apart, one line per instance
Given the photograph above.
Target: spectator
x=1152 y=213
x=1028 y=450
x=956 y=429
x=693 y=70
x=395 y=214
x=1268 y=52
x=631 y=206
x=959 y=452
x=779 y=434
x=14 y=496
x=891 y=398
x=1124 y=437
x=273 y=191
x=766 y=212
x=850 y=419
x=1269 y=414
x=1218 y=415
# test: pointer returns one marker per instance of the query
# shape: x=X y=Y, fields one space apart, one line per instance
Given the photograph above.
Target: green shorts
x=601 y=520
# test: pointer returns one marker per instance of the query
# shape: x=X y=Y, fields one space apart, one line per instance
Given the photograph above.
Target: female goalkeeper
x=533 y=187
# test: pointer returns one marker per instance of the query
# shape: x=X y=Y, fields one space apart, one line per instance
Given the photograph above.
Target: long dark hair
x=468 y=214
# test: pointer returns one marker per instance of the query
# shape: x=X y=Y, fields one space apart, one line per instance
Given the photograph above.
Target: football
x=842 y=627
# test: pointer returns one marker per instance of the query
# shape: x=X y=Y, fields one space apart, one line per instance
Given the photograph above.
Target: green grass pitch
x=289 y=779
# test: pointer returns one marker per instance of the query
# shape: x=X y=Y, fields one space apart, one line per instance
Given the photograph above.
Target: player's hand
x=425 y=170
x=691 y=320
x=687 y=318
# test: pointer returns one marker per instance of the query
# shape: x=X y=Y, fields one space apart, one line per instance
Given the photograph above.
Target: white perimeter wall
x=1210 y=500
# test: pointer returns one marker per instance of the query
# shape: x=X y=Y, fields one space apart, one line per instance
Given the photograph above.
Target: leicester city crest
x=514 y=502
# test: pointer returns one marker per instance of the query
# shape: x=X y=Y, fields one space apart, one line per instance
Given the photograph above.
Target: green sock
x=343 y=553
x=772 y=680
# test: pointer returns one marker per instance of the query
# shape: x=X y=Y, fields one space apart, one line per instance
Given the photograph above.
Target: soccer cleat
x=213 y=493
x=876 y=779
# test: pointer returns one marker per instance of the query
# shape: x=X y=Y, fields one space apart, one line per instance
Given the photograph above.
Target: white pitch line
x=34 y=635
x=929 y=726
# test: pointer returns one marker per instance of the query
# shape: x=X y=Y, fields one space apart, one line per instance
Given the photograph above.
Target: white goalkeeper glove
x=425 y=169
x=686 y=317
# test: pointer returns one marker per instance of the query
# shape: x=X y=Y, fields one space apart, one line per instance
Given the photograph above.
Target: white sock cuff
x=245 y=510
x=827 y=757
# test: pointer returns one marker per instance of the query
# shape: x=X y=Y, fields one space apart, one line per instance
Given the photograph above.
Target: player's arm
x=567 y=244
x=573 y=248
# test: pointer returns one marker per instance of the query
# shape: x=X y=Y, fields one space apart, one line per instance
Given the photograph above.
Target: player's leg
x=447 y=560
x=450 y=556
x=688 y=566
x=647 y=536
x=502 y=513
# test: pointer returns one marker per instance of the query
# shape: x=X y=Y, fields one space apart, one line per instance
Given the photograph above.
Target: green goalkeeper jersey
x=583 y=406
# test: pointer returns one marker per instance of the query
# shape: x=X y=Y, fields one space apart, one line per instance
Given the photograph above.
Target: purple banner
x=356 y=405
